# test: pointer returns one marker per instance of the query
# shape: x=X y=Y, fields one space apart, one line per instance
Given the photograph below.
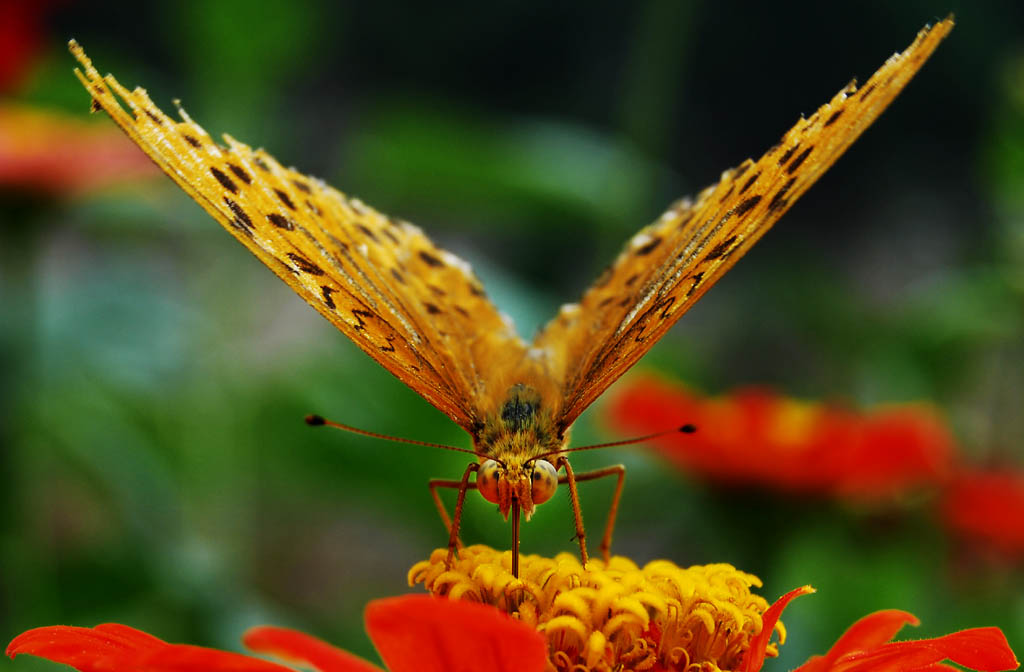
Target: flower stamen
x=614 y=615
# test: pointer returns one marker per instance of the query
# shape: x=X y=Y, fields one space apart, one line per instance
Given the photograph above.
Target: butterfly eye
x=487 y=480
x=545 y=481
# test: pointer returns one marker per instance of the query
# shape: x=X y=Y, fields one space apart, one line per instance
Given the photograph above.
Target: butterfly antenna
x=319 y=420
x=685 y=429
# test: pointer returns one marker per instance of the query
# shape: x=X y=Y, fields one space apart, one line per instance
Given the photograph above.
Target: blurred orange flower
x=60 y=154
x=754 y=436
x=987 y=507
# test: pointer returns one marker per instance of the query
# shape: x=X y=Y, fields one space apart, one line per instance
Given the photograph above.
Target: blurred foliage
x=154 y=376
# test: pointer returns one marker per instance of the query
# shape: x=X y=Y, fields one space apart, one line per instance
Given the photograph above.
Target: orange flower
x=755 y=437
x=57 y=153
x=618 y=617
x=987 y=507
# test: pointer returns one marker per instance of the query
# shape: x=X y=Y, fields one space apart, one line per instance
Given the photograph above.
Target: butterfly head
x=527 y=484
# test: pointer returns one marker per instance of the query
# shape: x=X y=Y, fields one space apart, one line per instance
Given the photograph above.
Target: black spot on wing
x=360 y=314
x=795 y=163
x=285 y=198
x=280 y=221
x=779 y=199
x=696 y=278
x=722 y=249
x=302 y=186
x=787 y=154
x=431 y=308
x=326 y=292
x=242 y=221
x=747 y=205
x=834 y=118
x=192 y=140
x=667 y=305
x=749 y=182
x=430 y=260
x=224 y=180
x=368 y=232
x=305 y=265
x=240 y=173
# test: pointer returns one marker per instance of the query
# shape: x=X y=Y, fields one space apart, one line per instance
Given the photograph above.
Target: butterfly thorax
x=518 y=432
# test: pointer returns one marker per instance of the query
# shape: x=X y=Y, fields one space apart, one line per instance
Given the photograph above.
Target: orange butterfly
x=422 y=314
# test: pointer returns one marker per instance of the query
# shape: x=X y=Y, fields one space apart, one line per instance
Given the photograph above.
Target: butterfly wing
x=416 y=309
x=669 y=265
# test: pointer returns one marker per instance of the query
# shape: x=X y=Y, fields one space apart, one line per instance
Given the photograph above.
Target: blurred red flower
x=426 y=634
x=60 y=154
x=754 y=436
x=21 y=38
x=987 y=507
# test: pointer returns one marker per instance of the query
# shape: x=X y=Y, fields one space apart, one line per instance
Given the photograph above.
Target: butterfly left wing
x=669 y=265
x=416 y=309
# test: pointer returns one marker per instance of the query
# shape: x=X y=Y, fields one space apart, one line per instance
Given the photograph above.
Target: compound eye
x=545 y=481
x=487 y=480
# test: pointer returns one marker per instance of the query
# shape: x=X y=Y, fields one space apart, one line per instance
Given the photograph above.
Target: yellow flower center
x=613 y=616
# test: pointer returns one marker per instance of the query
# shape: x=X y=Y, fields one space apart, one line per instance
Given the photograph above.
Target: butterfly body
x=522 y=431
x=421 y=313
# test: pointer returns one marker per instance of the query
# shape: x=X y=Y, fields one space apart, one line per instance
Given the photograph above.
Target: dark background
x=154 y=375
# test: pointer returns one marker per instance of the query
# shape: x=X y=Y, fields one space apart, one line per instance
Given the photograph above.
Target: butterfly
x=422 y=314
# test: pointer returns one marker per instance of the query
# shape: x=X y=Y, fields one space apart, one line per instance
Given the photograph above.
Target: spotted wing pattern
x=416 y=309
x=667 y=266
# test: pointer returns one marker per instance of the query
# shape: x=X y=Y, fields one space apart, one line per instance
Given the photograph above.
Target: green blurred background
x=154 y=375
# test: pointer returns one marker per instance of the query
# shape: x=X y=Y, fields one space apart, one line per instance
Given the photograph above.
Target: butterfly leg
x=574 y=499
x=613 y=510
x=453 y=526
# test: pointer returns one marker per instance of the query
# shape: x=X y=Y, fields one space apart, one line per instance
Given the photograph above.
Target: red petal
x=187 y=658
x=753 y=659
x=299 y=647
x=983 y=649
x=420 y=633
x=84 y=649
x=868 y=633
x=118 y=648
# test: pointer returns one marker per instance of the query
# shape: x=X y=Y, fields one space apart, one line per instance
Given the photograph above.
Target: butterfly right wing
x=416 y=309
x=669 y=265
